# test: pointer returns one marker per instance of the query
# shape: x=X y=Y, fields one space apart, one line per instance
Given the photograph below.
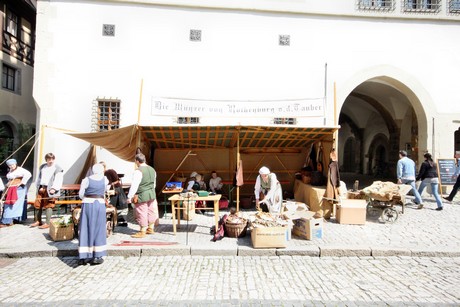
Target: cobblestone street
x=232 y=281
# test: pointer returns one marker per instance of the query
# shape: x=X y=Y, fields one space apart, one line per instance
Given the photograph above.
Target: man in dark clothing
x=117 y=196
x=457 y=183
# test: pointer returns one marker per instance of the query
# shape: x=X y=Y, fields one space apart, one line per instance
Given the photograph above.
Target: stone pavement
x=232 y=281
x=416 y=233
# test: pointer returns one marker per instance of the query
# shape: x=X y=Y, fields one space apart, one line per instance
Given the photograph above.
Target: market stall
x=180 y=150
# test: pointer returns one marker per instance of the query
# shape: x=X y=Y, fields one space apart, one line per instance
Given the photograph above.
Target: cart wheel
x=389 y=215
x=373 y=209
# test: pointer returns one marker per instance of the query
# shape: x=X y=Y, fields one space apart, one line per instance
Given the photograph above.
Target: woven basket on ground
x=236 y=230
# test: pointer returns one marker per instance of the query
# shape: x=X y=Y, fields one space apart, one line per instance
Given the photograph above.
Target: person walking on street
x=429 y=175
x=49 y=184
x=13 y=207
x=92 y=227
x=142 y=195
x=457 y=183
x=405 y=171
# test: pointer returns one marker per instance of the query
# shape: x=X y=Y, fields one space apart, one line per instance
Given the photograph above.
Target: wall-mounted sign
x=196 y=108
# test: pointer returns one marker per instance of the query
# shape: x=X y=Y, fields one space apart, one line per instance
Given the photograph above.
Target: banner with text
x=195 y=108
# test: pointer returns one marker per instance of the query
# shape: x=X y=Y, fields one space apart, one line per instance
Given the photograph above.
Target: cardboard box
x=308 y=228
x=263 y=237
x=352 y=211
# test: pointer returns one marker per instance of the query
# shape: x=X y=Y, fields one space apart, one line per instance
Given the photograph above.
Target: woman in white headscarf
x=92 y=230
x=269 y=189
x=14 y=205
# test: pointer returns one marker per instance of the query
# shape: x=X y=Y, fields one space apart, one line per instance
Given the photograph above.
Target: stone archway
x=401 y=95
x=376 y=108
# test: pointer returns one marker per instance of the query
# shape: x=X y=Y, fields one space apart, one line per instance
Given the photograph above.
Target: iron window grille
x=188 y=120
x=108 y=114
x=421 y=6
x=108 y=30
x=454 y=6
x=284 y=121
x=195 y=35
x=376 y=5
x=284 y=40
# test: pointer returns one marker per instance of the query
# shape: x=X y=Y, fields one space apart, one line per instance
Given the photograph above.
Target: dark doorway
x=349 y=156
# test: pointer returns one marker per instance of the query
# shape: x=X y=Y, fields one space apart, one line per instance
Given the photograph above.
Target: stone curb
x=243 y=251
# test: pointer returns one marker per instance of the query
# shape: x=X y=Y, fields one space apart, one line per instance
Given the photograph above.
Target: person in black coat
x=429 y=175
x=457 y=183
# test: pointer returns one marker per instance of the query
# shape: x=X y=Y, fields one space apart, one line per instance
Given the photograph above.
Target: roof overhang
x=246 y=137
x=123 y=142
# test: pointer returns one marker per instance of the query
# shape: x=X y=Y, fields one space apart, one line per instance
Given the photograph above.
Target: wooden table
x=165 y=193
x=177 y=199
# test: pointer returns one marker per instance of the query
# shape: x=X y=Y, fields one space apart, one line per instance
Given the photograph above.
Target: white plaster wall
x=237 y=59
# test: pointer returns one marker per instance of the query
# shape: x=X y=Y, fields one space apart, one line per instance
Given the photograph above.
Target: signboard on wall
x=446 y=170
x=313 y=107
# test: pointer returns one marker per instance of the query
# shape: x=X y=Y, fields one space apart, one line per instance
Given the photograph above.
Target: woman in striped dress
x=92 y=238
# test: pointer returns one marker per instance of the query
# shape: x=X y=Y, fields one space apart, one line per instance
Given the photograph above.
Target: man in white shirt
x=49 y=184
x=142 y=195
x=215 y=183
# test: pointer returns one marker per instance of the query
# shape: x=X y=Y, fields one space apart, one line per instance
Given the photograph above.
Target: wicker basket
x=238 y=230
x=61 y=233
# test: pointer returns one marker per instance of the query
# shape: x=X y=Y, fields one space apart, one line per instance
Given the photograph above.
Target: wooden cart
x=382 y=205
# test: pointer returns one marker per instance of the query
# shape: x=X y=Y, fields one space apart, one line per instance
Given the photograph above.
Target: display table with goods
x=313 y=197
x=185 y=201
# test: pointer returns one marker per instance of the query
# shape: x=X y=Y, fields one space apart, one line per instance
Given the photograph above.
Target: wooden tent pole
x=237 y=166
x=180 y=164
x=335 y=134
x=40 y=148
x=140 y=102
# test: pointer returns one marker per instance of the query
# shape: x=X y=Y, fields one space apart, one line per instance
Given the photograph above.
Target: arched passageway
x=377 y=119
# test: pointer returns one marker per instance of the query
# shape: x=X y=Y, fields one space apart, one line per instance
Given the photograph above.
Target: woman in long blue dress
x=13 y=208
x=92 y=238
